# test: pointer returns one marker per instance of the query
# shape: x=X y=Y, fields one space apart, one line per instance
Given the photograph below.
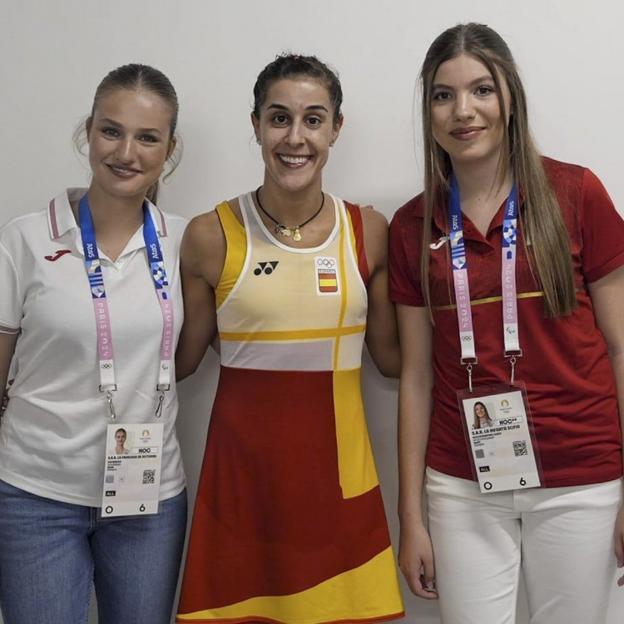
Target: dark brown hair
x=293 y=66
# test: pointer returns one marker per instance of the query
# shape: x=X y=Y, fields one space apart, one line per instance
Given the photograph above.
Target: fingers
x=618 y=536
x=428 y=577
x=619 y=549
x=420 y=579
x=619 y=554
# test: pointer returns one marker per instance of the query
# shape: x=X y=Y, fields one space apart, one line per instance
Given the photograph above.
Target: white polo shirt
x=53 y=434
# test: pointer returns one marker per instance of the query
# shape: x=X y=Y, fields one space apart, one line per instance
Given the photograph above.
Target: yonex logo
x=266 y=267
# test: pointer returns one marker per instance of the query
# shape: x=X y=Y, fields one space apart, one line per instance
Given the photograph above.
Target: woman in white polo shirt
x=89 y=315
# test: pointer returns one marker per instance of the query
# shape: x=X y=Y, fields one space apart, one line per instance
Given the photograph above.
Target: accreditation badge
x=132 y=469
x=500 y=436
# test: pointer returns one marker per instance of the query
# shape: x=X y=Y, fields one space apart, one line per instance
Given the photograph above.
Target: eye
x=314 y=121
x=484 y=90
x=441 y=96
x=110 y=131
x=148 y=138
x=280 y=119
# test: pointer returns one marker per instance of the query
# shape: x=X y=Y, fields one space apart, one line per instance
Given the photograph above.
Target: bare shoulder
x=234 y=205
x=375 y=226
x=373 y=220
x=204 y=247
x=203 y=233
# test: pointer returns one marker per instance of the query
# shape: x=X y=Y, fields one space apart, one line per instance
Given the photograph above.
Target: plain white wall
x=53 y=54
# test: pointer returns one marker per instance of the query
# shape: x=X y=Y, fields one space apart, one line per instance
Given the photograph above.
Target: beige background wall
x=53 y=54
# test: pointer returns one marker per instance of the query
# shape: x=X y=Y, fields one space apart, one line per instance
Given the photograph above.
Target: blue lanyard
x=102 y=315
x=508 y=279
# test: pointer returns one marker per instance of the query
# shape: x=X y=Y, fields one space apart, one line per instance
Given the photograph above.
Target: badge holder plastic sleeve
x=481 y=391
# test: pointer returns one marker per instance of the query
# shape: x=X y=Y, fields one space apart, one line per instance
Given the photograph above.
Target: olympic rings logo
x=325 y=263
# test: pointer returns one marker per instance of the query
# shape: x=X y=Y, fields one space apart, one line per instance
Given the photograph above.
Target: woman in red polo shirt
x=508 y=272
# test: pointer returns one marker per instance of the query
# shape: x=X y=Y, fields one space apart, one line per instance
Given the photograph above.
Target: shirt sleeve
x=602 y=230
x=10 y=306
x=404 y=263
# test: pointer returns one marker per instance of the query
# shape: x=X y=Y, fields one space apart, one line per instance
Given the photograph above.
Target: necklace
x=280 y=228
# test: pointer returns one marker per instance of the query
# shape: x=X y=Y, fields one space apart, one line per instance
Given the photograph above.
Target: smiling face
x=129 y=141
x=296 y=128
x=479 y=410
x=466 y=120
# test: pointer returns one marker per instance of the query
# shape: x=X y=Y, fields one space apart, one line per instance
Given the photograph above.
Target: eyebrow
x=311 y=107
x=484 y=78
x=112 y=122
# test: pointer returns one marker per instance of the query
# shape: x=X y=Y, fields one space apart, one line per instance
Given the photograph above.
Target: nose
x=295 y=133
x=125 y=152
x=464 y=109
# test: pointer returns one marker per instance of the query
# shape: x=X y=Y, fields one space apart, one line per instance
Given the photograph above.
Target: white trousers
x=561 y=539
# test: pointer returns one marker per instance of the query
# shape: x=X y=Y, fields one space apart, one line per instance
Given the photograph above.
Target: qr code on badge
x=479 y=453
x=149 y=477
x=520 y=448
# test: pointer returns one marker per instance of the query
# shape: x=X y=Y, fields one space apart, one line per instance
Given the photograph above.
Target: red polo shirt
x=565 y=367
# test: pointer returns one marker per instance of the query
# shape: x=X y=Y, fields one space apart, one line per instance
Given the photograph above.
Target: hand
x=619 y=543
x=416 y=561
x=4 y=402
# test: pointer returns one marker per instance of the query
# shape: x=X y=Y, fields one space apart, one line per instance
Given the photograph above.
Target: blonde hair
x=545 y=233
x=137 y=76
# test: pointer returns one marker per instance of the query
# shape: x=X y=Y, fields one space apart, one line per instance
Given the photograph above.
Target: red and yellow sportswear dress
x=289 y=524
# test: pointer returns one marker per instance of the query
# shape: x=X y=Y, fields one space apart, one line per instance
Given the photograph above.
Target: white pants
x=562 y=538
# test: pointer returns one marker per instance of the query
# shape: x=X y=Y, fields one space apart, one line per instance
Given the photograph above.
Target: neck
x=290 y=208
x=113 y=214
x=482 y=181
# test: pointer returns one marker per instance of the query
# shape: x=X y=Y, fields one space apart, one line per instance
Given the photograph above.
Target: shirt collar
x=440 y=218
x=61 y=218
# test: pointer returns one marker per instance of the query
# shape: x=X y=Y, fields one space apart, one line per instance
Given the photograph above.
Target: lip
x=294 y=161
x=467 y=133
x=123 y=172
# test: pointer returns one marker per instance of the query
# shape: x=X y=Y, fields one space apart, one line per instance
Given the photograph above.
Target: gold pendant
x=282 y=231
x=297 y=235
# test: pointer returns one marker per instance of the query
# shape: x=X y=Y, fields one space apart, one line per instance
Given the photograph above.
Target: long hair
x=545 y=234
x=477 y=422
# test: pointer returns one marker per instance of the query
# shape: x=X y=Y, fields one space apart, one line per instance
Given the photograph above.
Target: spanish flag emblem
x=326 y=275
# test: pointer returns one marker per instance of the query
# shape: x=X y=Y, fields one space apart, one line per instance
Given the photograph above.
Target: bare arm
x=415 y=405
x=201 y=261
x=607 y=296
x=381 y=327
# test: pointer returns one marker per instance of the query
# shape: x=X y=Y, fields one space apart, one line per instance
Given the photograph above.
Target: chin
x=472 y=156
x=124 y=189
x=296 y=183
